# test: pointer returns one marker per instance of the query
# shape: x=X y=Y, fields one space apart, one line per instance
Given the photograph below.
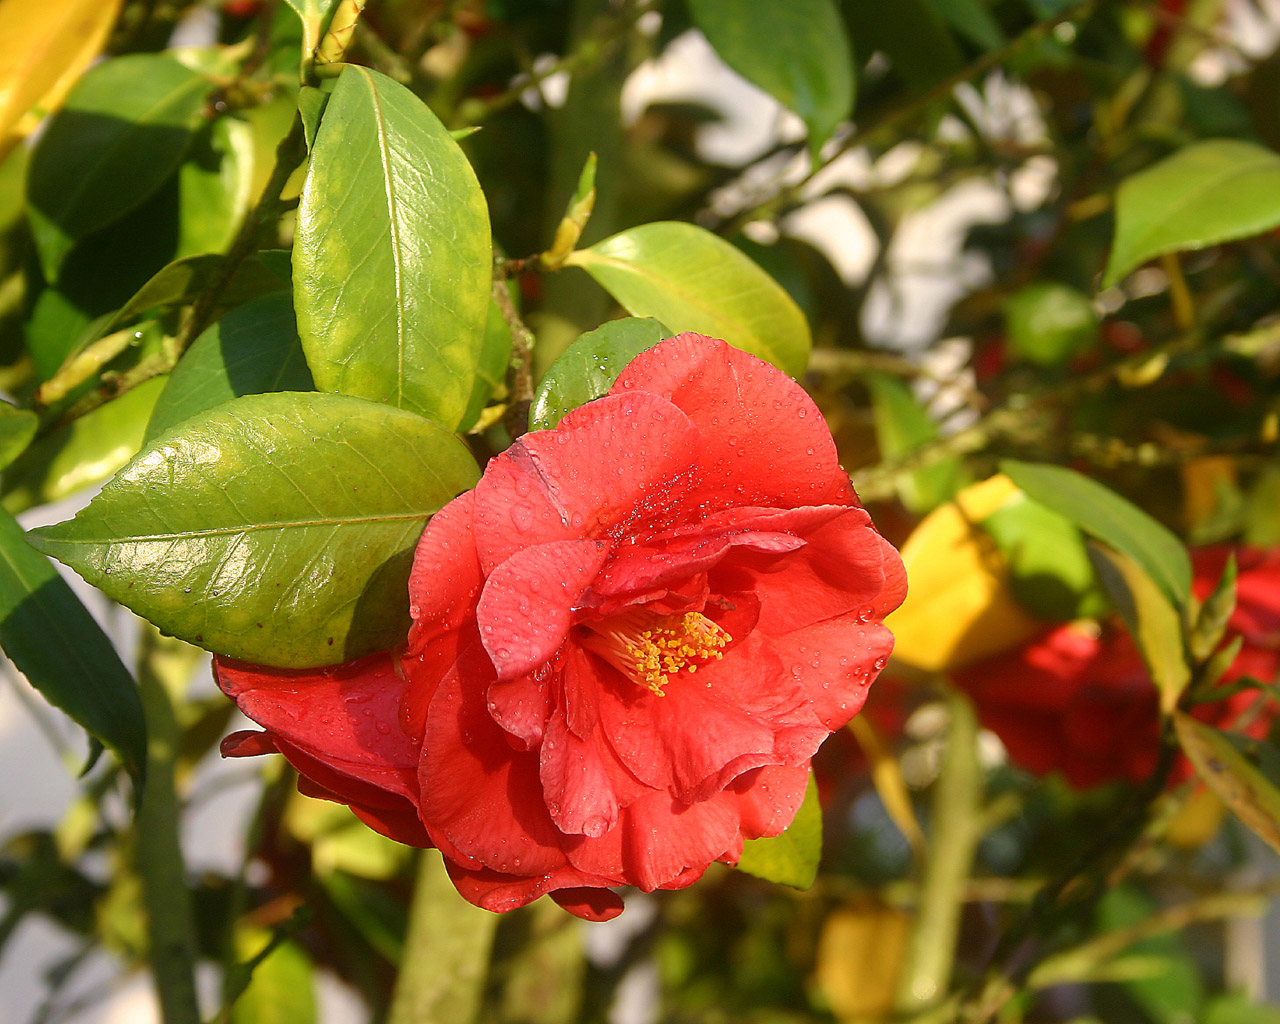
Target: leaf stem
x=170 y=923
x=446 y=952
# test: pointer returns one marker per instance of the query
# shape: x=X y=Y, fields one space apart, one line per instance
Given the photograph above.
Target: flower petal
x=609 y=464
x=763 y=441
x=446 y=572
x=347 y=717
x=578 y=791
x=499 y=893
x=769 y=797
x=835 y=662
x=526 y=608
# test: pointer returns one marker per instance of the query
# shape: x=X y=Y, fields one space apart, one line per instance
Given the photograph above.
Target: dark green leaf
x=274 y=528
x=795 y=50
x=121 y=133
x=588 y=368
x=17 y=428
x=57 y=645
x=1103 y=514
x=1049 y=323
x=392 y=258
x=311 y=104
x=84 y=453
x=491 y=369
x=251 y=350
x=1244 y=789
x=213 y=187
x=1211 y=624
x=791 y=858
x=1210 y=192
x=971 y=19
x=691 y=280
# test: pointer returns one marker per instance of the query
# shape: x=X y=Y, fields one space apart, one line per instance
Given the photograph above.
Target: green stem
x=170 y=925
x=957 y=799
x=446 y=952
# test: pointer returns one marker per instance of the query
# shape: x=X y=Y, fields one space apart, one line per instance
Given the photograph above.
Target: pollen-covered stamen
x=649 y=648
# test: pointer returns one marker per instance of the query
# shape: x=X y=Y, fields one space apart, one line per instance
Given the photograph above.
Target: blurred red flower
x=1079 y=699
x=628 y=642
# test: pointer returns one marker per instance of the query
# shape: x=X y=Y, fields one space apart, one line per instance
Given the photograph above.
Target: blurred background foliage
x=1033 y=230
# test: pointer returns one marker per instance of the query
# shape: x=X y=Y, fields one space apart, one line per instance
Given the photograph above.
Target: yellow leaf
x=959 y=607
x=1197 y=820
x=48 y=45
x=886 y=776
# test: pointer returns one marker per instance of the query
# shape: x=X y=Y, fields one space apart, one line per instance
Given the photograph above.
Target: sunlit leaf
x=213 y=185
x=902 y=425
x=1049 y=323
x=275 y=528
x=1209 y=192
x=791 y=858
x=57 y=645
x=392 y=257
x=691 y=280
x=588 y=367
x=17 y=428
x=795 y=50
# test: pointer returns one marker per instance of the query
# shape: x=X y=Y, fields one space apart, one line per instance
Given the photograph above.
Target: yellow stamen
x=649 y=649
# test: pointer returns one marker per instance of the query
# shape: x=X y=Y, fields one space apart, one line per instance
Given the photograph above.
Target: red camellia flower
x=627 y=643
x=1079 y=700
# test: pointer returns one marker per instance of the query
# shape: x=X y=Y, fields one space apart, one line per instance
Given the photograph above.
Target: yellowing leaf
x=959 y=607
x=48 y=46
x=859 y=956
x=1249 y=793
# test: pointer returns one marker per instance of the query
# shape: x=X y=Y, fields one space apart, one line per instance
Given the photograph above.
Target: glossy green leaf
x=1250 y=794
x=250 y=351
x=1049 y=323
x=57 y=645
x=1049 y=568
x=588 y=367
x=122 y=132
x=795 y=50
x=691 y=280
x=84 y=453
x=213 y=187
x=1154 y=623
x=902 y=425
x=17 y=428
x=392 y=259
x=311 y=104
x=1103 y=514
x=791 y=858
x=274 y=528
x=1209 y=192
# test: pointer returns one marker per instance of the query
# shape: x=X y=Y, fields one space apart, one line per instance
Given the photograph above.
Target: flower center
x=649 y=649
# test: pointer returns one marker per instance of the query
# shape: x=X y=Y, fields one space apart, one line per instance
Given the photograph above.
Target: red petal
x=479 y=794
x=521 y=706
x=589 y=904
x=446 y=572
x=526 y=608
x=578 y=791
x=835 y=662
x=499 y=893
x=769 y=797
x=248 y=743
x=763 y=441
x=730 y=716
x=607 y=464
x=346 y=717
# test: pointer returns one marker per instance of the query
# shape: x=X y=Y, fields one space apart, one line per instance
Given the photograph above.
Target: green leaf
x=692 y=280
x=122 y=132
x=213 y=186
x=1103 y=514
x=282 y=988
x=911 y=33
x=973 y=20
x=1154 y=623
x=491 y=369
x=82 y=454
x=17 y=428
x=311 y=104
x=274 y=528
x=1237 y=1008
x=1244 y=789
x=392 y=258
x=1049 y=323
x=795 y=50
x=57 y=645
x=589 y=366
x=1209 y=192
x=251 y=350
x=1049 y=568
x=902 y=425
x=1211 y=623
x=791 y=858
